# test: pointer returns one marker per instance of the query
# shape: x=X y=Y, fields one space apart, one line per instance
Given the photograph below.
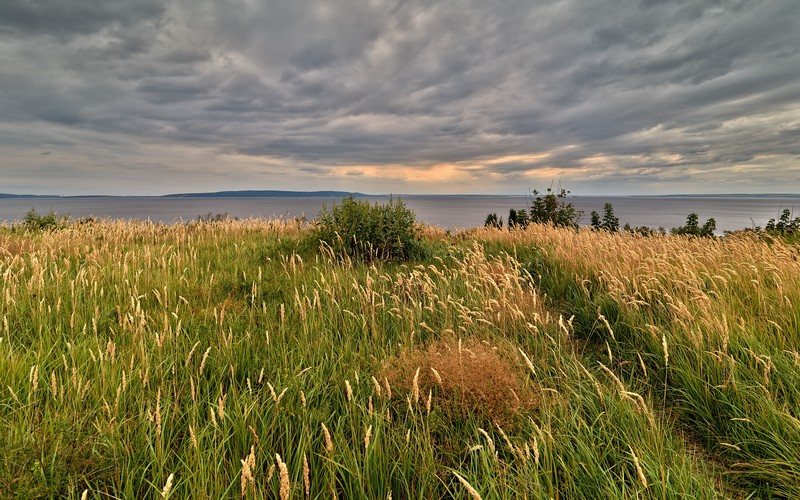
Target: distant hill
x=267 y=194
x=6 y=195
x=728 y=195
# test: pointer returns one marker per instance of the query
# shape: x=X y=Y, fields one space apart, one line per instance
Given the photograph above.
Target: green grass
x=133 y=352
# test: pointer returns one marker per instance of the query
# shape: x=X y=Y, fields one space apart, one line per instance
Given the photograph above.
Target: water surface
x=450 y=212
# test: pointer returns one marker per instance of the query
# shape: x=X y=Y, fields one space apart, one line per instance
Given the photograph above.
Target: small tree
x=493 y=221
x=595 y=220
x=707 y=231
x=610 y=222
x=518 y=219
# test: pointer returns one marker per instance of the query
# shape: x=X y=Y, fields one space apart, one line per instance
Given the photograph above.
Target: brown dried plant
x=465 y=377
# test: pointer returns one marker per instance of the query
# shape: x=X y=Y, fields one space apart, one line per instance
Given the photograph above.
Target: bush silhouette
x=552 y=208
x=693 y=228
x=610 y=221
x=47 y=222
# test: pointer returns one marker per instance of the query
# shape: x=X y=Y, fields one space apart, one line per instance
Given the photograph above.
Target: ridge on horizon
x=277 y=193
x=263 y=193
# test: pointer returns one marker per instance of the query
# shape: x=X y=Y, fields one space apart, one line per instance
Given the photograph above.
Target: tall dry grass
x=235 y=358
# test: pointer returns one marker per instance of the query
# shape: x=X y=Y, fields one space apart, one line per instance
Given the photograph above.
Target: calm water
x=445 y=211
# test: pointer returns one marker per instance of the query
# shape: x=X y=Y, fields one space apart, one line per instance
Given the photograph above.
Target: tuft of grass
x=464 y=377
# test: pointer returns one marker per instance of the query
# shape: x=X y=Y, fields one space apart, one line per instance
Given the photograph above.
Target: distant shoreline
x=342 y=194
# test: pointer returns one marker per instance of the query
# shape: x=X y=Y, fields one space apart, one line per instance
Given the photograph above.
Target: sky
x=412 y=97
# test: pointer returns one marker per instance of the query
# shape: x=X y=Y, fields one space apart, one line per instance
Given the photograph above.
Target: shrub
x=547 y=208
x=369 y=232
x=518 y=219
x=552 y=208
x=785 y=225
x=48 y=222
x=493 y=221
x=210 y=219
x=693 y=228
x=644 y=230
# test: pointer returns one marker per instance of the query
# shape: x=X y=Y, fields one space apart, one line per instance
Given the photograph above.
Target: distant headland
x=267 y=194
x=270 y=193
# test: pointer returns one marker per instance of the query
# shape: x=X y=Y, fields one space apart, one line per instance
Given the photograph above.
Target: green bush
x=518 y=219
x=785 y=225
x=493 y=221
x=48 y=222
x=693 y=228
x=552 y=208
x=369 y=232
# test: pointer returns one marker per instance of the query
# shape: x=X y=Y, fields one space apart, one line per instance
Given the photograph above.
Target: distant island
x=268 y=194
x=6 y=195
x=218 y=194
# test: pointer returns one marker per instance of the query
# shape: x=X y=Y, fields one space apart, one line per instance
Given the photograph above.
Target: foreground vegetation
x=237 y=358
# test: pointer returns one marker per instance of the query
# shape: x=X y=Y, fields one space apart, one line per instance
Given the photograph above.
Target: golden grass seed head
x=328 y=440
x=377 y=386
x=367 y=437
x=639 y=470
x=389 y=387
x=168 y=486
x=415 y=383
x=348 y=390
x=286 y=486
x=306 y=476
x=472 y=491
x=489 y=440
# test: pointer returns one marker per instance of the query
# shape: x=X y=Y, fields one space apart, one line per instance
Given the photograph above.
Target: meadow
x=238 y=358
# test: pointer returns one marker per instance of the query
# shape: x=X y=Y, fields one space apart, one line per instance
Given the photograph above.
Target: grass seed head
x=348 y=390
x=306 y=476
x=367 y=437
x=328 y=440
x=472 y=491
x=639 y=470
x=286 y=486
x=167 y=487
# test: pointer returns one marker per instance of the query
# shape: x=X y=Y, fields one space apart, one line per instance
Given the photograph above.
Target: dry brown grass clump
x=464 y=377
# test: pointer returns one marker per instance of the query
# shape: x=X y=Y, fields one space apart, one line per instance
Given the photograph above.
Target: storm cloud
x=611 y=96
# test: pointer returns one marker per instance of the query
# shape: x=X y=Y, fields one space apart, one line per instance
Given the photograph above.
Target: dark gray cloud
x=415 y=96
x=74 y=17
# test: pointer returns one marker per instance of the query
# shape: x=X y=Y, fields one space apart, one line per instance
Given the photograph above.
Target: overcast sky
x=608 y=96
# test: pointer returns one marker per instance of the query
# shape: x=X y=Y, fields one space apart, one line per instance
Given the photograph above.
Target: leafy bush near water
x=552 y=208
x=693 y=227
x=43 y=222
x=368 y=232
x=548 y=207
x=785 y=225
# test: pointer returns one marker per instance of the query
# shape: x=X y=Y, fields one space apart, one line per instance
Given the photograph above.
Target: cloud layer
x=611 y=96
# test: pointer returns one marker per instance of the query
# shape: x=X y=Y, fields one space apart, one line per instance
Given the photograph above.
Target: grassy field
x=235 y=359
